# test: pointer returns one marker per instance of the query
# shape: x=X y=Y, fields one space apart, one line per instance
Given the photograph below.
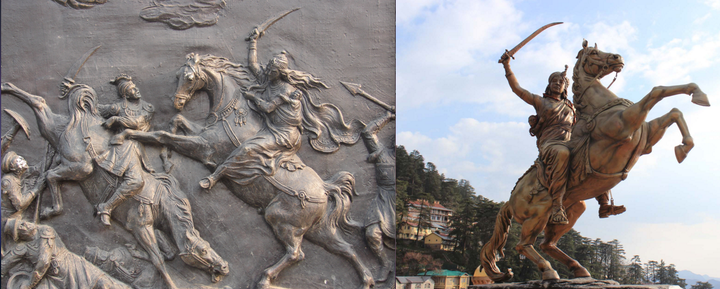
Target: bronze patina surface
x=238 y=166
x=587 y=145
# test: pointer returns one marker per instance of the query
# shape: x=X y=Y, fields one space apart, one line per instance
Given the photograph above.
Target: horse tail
x=494 y=247
x=340 y=188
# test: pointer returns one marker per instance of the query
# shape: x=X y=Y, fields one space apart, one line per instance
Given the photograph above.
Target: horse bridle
x=196 y=85
x=191 y=249
x=597 y=76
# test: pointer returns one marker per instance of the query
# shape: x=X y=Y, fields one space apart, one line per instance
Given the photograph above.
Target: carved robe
x=130 y=154
x=59 y=268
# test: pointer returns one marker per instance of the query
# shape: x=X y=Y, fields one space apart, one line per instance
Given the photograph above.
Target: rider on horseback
x=287 y=110
x=127 y=159
x=553 y=126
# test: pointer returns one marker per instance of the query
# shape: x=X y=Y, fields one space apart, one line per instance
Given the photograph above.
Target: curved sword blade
x=265 y=25
x=526 y=40
x=75 y=69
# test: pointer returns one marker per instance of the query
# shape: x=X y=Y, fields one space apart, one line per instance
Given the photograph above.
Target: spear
x=356 y=89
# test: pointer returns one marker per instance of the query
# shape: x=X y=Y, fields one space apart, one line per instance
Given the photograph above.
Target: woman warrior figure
x=287 y=110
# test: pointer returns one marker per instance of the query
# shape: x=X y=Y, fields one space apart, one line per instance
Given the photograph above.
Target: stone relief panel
x=184 y=14
x=234 y=155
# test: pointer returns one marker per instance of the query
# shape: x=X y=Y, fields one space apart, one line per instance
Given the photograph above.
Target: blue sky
x=456 y=108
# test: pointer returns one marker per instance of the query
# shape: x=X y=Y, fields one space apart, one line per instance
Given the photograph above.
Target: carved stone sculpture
x=244 y=232
x=53 y=266
x=598 y=162
x=184 y=14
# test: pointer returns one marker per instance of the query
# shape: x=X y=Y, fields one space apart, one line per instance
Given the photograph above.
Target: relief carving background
x=351 y=41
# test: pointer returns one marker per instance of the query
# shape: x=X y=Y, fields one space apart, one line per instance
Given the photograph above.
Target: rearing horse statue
x=607 y=140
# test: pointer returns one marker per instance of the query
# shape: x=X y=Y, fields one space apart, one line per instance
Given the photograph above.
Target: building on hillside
x=480 y=277
x=447 y=279
x=439 y=241
x=414 y=282
x=438 y=221
x=408 y=231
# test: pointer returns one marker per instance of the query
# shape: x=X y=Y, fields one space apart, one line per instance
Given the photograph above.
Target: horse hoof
x=680 y=153
x=206 y=183
x=581 y=272
x=48 y=213
x=550 y=274
x=700 y=98
x=105 y=220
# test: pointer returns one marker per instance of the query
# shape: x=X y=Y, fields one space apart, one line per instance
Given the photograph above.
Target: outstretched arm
x=515 y=86
x=252 y=53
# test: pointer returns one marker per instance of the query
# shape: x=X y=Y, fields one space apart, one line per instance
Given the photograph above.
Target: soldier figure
x=53 y=266
x=16 y=197
x=126 y=159
x=380 y=225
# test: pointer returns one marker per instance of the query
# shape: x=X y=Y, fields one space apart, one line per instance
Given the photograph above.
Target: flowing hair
x=82 y=101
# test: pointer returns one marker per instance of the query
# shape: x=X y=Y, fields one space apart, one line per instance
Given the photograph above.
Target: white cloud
x=673 y=62
x=714 y=4
x=490 y=155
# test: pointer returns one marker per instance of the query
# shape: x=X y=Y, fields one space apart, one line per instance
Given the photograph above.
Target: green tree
x=702 y=285
x=635 y=273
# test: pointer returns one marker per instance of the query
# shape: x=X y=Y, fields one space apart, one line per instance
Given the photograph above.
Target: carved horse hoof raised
x=700 y=98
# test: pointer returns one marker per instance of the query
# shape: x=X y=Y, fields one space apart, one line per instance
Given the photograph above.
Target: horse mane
x=82 y=101
x=221 y=64
x=577 y=70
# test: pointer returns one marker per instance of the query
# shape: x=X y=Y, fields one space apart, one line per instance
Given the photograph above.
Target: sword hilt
x=505 y=55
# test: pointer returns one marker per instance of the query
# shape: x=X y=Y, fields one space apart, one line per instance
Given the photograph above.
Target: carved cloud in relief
x=81 y=4
x=184 y=14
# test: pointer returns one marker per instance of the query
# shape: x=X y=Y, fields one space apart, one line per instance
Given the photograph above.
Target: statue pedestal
x=578 y=283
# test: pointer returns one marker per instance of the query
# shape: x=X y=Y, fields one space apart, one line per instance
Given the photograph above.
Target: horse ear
x=595 y=45
x=579 y=53
x=584 y=43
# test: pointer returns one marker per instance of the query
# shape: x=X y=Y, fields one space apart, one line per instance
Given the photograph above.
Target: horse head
x=82 y=99
x=190 y=79
x=592 y=64
x=596 y=63
x=199 y=254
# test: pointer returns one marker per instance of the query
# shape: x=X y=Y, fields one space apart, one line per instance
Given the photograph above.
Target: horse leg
x=657 y=129
x=333 y=242
x=634 y=116
x=552 y=236
x=177 y=122
x=46 y=119
x=291 y=238
x=66 y=171
x=195 y=147
x=141 y=220
x=531 y=228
